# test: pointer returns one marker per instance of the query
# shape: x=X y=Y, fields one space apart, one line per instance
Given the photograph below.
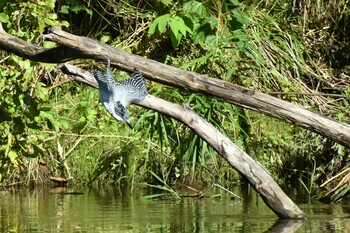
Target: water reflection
x=45 y=210
x=286 y=226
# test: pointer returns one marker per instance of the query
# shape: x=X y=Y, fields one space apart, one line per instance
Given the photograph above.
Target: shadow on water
x=110 y=210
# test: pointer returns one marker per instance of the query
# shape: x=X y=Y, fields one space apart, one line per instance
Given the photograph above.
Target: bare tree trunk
x=72 y=47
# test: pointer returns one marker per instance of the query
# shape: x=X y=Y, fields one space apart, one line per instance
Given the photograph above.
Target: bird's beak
x=129 y=124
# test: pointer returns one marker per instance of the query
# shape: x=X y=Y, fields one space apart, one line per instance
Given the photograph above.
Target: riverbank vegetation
x=298 y=51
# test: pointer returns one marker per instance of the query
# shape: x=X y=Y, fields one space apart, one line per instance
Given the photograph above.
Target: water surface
x=110 y=210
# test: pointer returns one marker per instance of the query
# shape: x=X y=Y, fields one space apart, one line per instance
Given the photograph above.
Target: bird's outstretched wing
x=135 y=89
x=102 y=83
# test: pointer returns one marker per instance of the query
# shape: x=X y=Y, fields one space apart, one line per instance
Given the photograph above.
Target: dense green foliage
x=279 y=47
x=23 y=94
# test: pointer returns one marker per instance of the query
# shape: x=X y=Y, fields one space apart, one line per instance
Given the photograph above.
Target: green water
x=52 y=210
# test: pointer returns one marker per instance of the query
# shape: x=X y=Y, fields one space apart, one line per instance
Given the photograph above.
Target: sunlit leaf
x=201 y=60
x=163 y=21
x=4 y=18
x=166 y=2
x=88 y=11
x=91 y=115
x=49 y=44
x=195 y=8
x=12 y=156
x=65 y=23
x=64 y=123
x=240 y=15
x=82 y=119
x=159 y=23
x=105 y=38
x=174 y=28
x=152 y=196
x=49 y=22
x=65 y=9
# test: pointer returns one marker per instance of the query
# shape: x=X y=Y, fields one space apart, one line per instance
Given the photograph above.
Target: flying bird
x=116 y=96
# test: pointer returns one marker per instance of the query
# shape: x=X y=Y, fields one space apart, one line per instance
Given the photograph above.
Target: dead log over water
x=73 y=47
x=257 y=175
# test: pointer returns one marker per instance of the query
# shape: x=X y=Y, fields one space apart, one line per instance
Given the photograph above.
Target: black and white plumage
x=115 y=97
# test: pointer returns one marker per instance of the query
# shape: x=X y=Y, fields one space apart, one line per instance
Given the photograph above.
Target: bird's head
x=121 y=114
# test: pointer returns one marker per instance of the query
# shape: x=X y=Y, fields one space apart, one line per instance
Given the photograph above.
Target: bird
x=116 y=96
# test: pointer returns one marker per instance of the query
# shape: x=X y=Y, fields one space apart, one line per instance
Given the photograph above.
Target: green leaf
x=82 y=119
x=65 y=23
x=46 y=114
x=25 y=64
x=163 y=22
x=166 y=2
x=91 y=115
x=160 y=23
x=64 y=123
x=64 y=9
x=4 y=18
x=12 y=156
x=77 y=8
x=236 y=3
x=49 y=22
x=83 y=103
x=200 y=61
x=175 y=25
x=196 y=9
x=164 y=188
x=152 y=28
x=88 y=11
x=212 y=21
x=183 y=28
x=175 y=39
x=41 y=92
x=49 y=44
x=241 y=16
x=152 y=196
x=105 y=38
x=158 y=178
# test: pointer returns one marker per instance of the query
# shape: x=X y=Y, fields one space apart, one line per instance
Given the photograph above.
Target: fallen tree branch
x=257 y=175
x=72 y=47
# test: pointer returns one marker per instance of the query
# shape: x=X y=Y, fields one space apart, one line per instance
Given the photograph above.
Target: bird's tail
x=105 y=78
